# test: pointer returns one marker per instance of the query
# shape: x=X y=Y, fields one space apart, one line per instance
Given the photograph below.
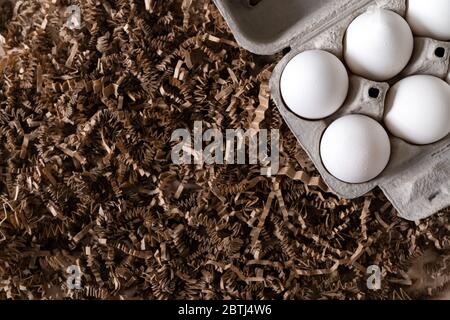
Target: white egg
x=355 y=149
x=430 y=18
x=418 y=109
x=378 y=44
x=314 y=84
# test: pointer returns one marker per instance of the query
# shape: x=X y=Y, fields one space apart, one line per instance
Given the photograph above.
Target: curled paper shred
x=304 y=177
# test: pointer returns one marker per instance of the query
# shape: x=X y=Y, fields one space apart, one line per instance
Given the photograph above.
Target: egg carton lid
x=268 y=26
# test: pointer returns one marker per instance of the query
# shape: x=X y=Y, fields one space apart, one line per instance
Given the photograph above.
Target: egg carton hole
x=252 y=3
x=440 y=52
x=286 y=50
x=374 y=93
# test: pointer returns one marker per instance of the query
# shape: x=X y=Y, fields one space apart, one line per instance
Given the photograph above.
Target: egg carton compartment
x=417 y=178
x=430 y=56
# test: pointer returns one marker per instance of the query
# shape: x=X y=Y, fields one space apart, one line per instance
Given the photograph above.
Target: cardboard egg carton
x=417 y=178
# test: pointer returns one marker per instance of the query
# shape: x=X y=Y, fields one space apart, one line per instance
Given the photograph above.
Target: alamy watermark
x=74 y=17
x=229 y=148
x=74 y=277
x=374 y=277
